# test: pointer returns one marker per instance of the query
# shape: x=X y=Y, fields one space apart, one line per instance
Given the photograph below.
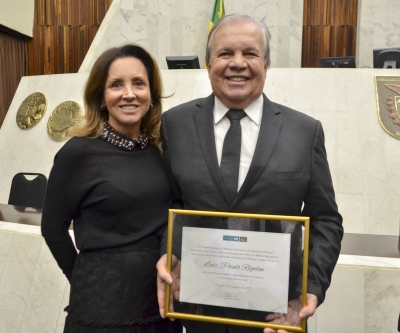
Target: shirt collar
x=254 y=111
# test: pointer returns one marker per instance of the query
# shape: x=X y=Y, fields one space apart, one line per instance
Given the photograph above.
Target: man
x=283 y=168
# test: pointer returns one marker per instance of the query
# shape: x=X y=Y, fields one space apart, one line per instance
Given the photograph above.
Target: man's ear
x=208 y=66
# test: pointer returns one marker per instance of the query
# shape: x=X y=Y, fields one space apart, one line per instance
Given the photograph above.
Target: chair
x=28 y=193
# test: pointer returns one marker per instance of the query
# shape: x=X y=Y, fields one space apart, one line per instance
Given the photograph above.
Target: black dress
x=119 y=203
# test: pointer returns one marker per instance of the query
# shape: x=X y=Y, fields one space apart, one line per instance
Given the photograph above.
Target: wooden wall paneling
x=51 y=52
x=36 y=12
x=83 y=38
x=323 y=39
x=61 y=44
x=70 y=16
x=339 y=41
x=313 y=7
x=89 y=13
x=100 y=9
x=332 y=31
x=355 y=11
x=54 y=49
x=314 y=42
x=62 y=34
x=337 y=18
x=81 y=15
x=321 y=7
x=304 y=50
x=84 y=41
x=329 y=10
x=47 y=13
x=325 y=12
x=31 y=54
x=336 y=30
x=344 y=33
x=38 y=51
x=349 y=13
x=308 y=10
x=76 y=46
x=311 y=43
x=80 y=46
x=76 y=12
x=56 y=46
x=60 y=13
x=39 y=10
x=344 y=10
x=80 y=12
x=69 y=36
x=47 y=47
x=329 y=30
x=72 y=7
x=96 y=9
x=325 y=36
x=306 y=14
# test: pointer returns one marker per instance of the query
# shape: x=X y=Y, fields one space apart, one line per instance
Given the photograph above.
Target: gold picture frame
x=231 y=321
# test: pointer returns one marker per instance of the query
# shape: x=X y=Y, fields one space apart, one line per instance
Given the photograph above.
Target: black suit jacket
x=289 y=169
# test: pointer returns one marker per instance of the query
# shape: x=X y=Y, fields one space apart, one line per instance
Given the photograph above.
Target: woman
x=109 y=180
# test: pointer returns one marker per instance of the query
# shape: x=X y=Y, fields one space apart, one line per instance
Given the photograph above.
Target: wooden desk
x=20 y=214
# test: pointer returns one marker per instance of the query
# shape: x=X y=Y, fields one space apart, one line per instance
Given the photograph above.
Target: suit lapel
x=271 y=125
x=204 y=122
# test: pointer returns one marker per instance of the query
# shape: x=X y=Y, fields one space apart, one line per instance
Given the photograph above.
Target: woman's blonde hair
x=90 y=125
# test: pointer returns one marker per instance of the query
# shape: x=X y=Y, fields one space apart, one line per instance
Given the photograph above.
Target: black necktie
x=231 y=153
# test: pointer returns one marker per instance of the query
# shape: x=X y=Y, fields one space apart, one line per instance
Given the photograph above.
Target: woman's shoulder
x=77 y=143
x=77 y=147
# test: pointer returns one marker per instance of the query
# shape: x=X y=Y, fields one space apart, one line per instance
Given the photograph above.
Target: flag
x=218 y=12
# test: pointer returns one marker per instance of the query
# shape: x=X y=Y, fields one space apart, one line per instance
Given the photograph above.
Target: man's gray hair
x=243 y=17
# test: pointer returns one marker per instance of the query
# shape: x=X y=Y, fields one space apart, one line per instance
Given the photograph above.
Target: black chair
x=29 y=193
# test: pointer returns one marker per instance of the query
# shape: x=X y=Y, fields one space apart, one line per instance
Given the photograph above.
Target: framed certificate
x=237 y=269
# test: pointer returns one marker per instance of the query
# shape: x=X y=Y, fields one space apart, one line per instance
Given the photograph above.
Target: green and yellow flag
x=218 y=12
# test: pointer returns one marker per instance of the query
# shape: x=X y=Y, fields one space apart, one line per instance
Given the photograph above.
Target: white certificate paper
x=235 y=268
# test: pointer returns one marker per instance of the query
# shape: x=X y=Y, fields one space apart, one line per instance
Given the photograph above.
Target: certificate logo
x=234 y=238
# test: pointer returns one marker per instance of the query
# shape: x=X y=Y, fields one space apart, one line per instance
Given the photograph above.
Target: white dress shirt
x=250 y=130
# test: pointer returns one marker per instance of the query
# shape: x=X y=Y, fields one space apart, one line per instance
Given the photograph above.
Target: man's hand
x=294 y=315
x=173 y=279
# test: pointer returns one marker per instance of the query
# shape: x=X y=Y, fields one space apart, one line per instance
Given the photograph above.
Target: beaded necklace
x=111 y=135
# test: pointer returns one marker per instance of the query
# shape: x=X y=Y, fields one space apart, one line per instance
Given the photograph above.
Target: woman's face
x=127 y=95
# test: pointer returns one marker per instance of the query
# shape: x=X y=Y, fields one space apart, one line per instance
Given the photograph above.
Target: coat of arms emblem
x=388 y=103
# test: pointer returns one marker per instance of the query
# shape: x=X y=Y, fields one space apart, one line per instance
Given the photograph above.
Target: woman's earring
x=151 y=104
x=103 y=107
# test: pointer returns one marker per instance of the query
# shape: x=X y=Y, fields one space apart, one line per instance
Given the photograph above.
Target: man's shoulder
x=187 y=108
x=294 y=115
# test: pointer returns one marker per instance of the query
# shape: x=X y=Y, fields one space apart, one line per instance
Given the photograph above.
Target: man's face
x=236 y=70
